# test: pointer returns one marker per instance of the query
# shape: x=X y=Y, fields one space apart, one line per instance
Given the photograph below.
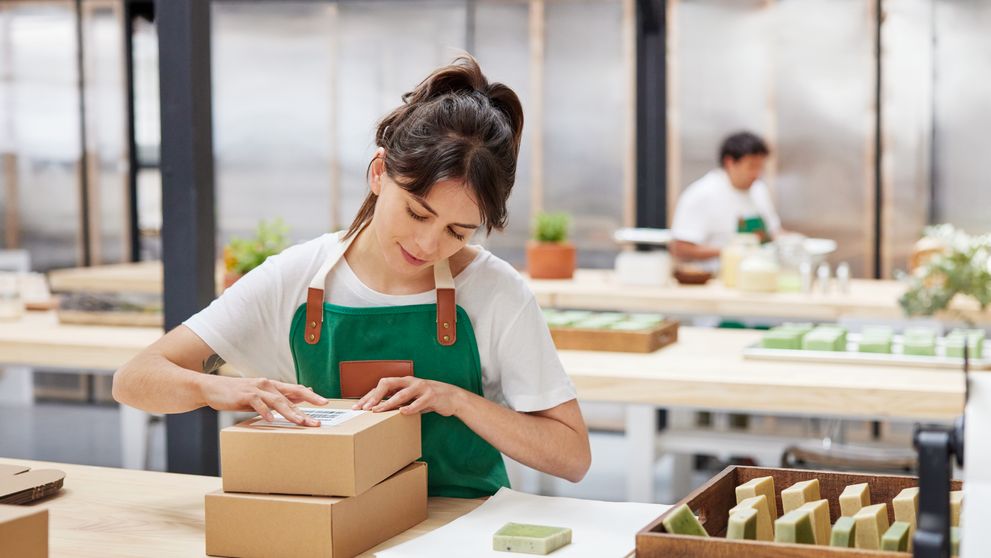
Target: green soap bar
x=825 y=338
x=844 y=532
x=742 y=525
x=600 y=321
x=795 y=527
x=896 y=537
x=919 y=347
x=955 y=541
x=630 y=325
x=782 y=338
x=530 y=539
x=955 y=344
x=802 y=328
x=681 y=521
x=875 y=345
x=576 y=315
x=646 y=318
x=558 y=320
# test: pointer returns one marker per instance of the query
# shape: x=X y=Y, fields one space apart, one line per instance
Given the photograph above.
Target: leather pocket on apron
x=358 y=377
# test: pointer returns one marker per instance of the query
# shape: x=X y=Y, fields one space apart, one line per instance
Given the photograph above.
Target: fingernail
x=323 y=400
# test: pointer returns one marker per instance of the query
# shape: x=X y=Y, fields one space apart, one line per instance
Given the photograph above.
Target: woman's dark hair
x=741 y=144
x=453 y=125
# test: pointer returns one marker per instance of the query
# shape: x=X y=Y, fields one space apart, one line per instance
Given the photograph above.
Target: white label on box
x=327 y=417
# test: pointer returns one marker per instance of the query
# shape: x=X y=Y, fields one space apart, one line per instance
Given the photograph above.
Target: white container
x=652 y=269
x=759 y=273
x=742 y=245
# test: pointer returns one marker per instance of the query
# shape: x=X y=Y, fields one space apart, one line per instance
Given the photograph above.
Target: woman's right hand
x=261 y=395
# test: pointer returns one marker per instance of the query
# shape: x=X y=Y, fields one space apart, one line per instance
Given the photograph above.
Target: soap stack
x=332 y=491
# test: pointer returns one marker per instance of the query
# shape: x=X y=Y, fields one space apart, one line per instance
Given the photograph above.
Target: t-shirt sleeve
x=689 y=223
x=248 y=324
x=532 y=376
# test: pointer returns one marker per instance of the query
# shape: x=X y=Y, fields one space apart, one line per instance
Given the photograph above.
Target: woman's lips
x=410 y=258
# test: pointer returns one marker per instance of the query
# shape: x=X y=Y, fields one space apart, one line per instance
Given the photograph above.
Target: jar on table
x=742 y=245
x=758 y=272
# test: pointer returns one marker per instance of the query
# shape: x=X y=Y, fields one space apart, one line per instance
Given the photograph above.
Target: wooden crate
x=713 y=500
x=124 y=319
x=645 y=341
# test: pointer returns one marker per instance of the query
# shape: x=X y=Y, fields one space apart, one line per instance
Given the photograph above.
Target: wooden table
x=104 y=512
x=867 y=299
x=141 y=277
x=704 y=370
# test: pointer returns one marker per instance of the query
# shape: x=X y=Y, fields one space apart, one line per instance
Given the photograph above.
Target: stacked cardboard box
x=329 y=491
x=23 y=532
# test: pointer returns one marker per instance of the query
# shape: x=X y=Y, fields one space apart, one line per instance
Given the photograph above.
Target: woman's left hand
x=413 y=395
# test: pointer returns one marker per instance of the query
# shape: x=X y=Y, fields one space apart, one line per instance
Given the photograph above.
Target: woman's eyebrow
x=426 y=206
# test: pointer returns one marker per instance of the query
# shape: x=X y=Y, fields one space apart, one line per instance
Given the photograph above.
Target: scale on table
x=939 y=447
x=650 y=267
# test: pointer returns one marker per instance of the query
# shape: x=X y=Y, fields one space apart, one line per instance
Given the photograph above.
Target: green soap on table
x=530 y=539
x=919 y=341
x=876 y=339
x=782 y=338
x=973 y=338
x=742 y=525
x=599 y=321
x=681 y=521
x=652 y=319
x=630 y=325
x=844 y=532
x=795 y=527
x=896 y=537
x=825 y=338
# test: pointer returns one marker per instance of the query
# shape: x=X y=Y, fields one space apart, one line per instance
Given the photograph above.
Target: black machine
x=938 y=446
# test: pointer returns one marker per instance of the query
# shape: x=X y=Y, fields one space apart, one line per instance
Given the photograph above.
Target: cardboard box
x=274 y=526
x=342 y=460
x=23 y=532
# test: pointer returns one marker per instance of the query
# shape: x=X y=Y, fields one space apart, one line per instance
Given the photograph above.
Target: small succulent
x=551 y=227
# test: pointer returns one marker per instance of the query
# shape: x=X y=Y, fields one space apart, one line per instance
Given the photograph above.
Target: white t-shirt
x=710 y=208
x=248 y=325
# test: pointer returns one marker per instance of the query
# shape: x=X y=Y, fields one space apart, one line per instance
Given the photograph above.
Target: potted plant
x=961 y=265
x=549 y=255
x=241 y=255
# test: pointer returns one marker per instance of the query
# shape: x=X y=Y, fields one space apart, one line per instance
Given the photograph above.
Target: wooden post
x=536 y=109
x=11 y=217
x=630 y=114
x=335 y=150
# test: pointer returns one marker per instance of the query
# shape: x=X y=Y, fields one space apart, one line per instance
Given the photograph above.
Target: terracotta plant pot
x=550 y=260
x=231 y=277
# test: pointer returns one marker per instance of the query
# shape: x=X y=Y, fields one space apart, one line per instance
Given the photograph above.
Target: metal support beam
x=133 y=9
x=188 y=227
x=651 y=115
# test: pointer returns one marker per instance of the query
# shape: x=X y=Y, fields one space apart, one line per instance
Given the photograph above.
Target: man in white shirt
x=725 y=201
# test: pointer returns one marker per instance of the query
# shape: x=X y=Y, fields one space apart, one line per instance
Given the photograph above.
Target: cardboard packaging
x=342 y=460
x=23 y=532
x=274 y=526
x=20 y=485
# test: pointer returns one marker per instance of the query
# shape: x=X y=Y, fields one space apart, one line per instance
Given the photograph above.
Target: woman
x=487 y=378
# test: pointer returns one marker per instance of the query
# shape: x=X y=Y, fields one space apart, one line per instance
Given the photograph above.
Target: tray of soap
x=917 y=347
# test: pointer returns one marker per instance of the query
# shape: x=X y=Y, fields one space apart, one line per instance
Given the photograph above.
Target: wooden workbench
x=867 y=299
x=104 y=513
x=599 y=290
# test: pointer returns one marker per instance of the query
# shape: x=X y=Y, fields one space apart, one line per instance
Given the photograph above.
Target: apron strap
x=447 y=313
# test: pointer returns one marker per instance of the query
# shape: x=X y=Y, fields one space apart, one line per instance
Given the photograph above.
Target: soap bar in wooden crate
x=713 y=500
x=645 y=339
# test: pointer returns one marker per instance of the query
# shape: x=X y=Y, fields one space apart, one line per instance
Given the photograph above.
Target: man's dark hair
x=741 y=144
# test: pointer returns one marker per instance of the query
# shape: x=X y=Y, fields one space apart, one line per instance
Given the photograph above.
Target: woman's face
x=414 y=233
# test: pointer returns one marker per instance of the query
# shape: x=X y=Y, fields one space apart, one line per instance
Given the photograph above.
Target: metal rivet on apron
x=447 y=338
x=313 y=324
x=446 y=325
x=312 y=337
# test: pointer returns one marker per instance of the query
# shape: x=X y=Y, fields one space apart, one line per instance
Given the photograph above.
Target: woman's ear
x=378 y=170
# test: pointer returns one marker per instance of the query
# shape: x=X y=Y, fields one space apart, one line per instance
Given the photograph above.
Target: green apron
x=460 y=463
x=754 y=225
